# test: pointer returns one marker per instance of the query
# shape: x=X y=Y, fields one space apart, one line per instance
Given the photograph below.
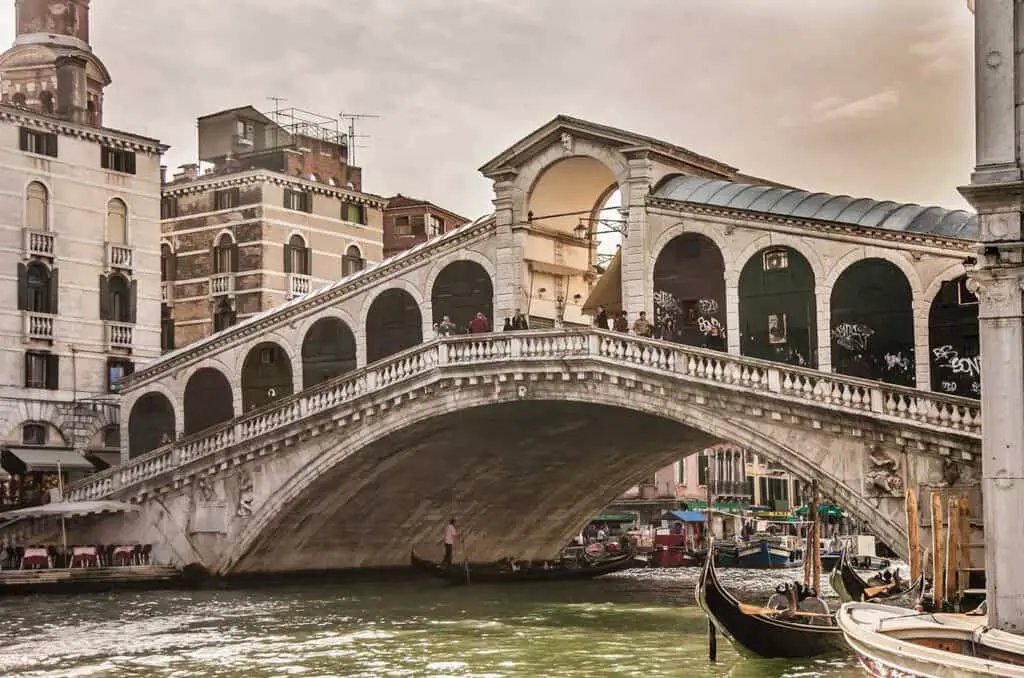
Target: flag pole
x=63 y=524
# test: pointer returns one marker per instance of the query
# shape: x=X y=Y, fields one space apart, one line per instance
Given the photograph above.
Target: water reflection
x=636 y=623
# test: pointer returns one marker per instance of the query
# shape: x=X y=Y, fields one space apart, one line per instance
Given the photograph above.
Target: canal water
x=635 y=623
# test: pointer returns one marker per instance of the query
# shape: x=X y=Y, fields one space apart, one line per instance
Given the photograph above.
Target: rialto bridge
x=831 y=334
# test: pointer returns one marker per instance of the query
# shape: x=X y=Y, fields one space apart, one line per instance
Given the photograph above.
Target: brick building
x=410 y=221
x=279 y=214
x=80 y=244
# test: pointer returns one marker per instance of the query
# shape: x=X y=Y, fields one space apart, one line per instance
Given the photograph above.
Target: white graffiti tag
x=707 y=307
x=896 y=361
x=709 y=326
x=852 y=336
x=948 y=357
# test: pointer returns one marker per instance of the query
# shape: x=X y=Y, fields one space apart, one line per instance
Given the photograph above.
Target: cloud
x=866 y=107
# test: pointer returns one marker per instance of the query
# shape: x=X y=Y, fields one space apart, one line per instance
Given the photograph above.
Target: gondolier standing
x=450 y=535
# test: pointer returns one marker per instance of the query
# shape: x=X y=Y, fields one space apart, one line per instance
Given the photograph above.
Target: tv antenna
x=351 y=119
x=277 y=103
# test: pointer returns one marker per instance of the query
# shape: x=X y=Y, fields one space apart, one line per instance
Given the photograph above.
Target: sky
x=870 y=98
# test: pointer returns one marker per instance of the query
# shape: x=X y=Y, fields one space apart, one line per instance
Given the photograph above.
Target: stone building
x=81 y=244
x=278 y=215
x=411 y=221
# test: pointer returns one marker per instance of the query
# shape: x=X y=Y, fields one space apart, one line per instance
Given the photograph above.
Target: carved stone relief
x=246 y=496
x=882 y=474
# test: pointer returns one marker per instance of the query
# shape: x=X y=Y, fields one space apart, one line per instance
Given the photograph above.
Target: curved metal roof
x=843 y=209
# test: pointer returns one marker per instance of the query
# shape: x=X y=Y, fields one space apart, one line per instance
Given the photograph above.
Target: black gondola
x=851 y=587
x=763 y=634
x=458 y=573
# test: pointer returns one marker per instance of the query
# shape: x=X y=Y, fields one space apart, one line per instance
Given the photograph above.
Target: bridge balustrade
x=942 y=413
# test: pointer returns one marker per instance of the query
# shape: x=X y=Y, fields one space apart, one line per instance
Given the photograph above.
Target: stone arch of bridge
x=439 y=266
x=954 y=340
x=208 y=400
x=391 y=320
x=151 y=423
x=267 y=374
x=552 y=428
x=462 y=289
x=688 y=278
x=328 y=350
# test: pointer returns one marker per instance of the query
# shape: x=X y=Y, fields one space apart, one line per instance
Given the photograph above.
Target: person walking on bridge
x=450 y=535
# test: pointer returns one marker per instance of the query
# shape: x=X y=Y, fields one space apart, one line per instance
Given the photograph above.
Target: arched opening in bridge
x=953 y=340
x=463 y=289
x=570 y=209
x=266 y=375
x=393 y=324
x=208 y=400
x=873 y=323
x=777 y=308
x=689 y=292
x=329 y=350
x=150 y=424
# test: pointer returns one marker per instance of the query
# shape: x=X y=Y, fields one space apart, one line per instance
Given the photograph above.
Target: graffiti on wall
x=964 y=370
x=671 y=317
x=852 y=336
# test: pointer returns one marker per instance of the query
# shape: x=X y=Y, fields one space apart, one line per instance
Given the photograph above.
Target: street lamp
x=583 y=228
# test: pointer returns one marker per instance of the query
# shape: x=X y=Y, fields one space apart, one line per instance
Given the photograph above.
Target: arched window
x=352 y=262
x=167 y=268
x=118 y=291
x=117 y=222
x=46 y=102
x=112 y=437
x=225 y=257
x=34 y=433
x=38 y=283
x=37 y=201
x=296 y=256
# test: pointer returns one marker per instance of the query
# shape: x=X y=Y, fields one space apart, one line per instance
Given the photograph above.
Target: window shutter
x=308 y=252
x=234 y=258
x=133 y=301
x=52 y=371
x=361 y=214
x=287 y=198
x=288 y=258
x=104 y=157
x=28 y=369
x=51 y=145
x=104 y=298
x=236 y=196
x=54 y=291
x=130 y=163
x=22 y=287
x=24 y=139
x=216 y=259
x=172 y=267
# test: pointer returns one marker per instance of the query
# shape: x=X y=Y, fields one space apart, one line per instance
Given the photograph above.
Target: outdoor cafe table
x=35 y=557
x=84 y=556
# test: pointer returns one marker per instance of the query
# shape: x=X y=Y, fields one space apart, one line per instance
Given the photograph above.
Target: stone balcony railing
x=222 y=284
x=299 y=285
x=38 y=325
x=119 y=335
x=40 y=243
x=119 y=256
x=760 y=378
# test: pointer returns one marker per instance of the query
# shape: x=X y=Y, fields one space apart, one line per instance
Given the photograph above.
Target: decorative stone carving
x=882 y=474
x=567 y=142
x=950 y=472
x=207 y=492
x=245 y=496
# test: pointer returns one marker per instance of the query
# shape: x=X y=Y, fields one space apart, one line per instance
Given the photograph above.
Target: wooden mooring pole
x=938 y=553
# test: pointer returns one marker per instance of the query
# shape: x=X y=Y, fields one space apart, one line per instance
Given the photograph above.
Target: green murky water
x=638 y=623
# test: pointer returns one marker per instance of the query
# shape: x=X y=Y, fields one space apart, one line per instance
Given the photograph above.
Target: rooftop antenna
x=277 y=104
x=352 y=136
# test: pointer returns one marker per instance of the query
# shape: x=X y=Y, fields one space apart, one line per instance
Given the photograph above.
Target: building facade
x=411 y=221
x=81 y=245
x=278 y=215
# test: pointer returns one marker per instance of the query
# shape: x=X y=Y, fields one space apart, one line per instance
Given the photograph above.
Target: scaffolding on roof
x=299 y=122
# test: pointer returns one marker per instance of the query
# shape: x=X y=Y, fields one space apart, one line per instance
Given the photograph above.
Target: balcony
x=119 y=256
x=38 y=325
x=119 y=335
x=299 y=285
x=167 y=292
x=39 y=243
x=222 y=284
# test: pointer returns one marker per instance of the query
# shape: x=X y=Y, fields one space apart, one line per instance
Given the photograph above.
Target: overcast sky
x=867 y=97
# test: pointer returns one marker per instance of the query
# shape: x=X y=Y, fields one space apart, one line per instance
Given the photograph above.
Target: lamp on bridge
x=584 y=230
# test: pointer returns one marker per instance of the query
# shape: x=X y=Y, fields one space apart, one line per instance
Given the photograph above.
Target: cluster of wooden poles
x=951 y=534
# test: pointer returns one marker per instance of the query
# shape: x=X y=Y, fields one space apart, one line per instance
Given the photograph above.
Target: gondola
x=459 y=573
x=756 y=632
x=851 y=587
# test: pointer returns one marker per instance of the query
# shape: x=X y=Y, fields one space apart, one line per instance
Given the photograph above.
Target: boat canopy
x=69 y=509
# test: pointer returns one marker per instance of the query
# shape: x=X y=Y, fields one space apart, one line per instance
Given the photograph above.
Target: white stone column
x=732 y=311
x=997 y=192
x=823 y=323
x=922 y=350
x=636 y=283
x=510 y=267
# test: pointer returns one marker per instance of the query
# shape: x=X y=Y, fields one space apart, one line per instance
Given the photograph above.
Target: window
x=226 y=199
x=117 y=369
x=42 y=143
x=117 y=160
x=352 y=262
x=964 y=296
x=117 y=222
x=298 y=201
x=402 y=226
x=776 y=260
x=702 y=470
x=418 y=223
x=681 y=472
x=297 y=257
x=46 y=102
x=41 y=370
x=166 y=328
x=267 y=356
x=353 y=212
x=224 y=317
x=168 y=268
x=168 y=207
x=436 y=225
x=244 y=129
x=90 y=109
x=225 y=255
x=34 y=434
x=117 y=298
x=37 y=288
x=112 y=437
x=37 y=202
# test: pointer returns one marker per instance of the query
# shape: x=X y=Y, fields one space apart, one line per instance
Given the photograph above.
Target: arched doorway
x=873 y=323
x=393 y=324
x=461 y=290
x=689 y=292
x=150 y=424
x=777 y=308
x=328 y=350
x=953 y=340
x=208 y=400
x=266 y=376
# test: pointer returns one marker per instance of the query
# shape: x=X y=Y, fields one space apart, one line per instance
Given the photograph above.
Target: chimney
x=191 y=171
x=71 y=89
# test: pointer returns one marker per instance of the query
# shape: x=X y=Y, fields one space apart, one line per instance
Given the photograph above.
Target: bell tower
x=51 y=67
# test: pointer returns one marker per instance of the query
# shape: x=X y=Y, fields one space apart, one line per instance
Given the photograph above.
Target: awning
x=685 y=516
x=607 y=291
x=21 y=460
x=70 y=509
x=104 y=459
x=824 y=510
x=553 y=268
x=614 y=518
